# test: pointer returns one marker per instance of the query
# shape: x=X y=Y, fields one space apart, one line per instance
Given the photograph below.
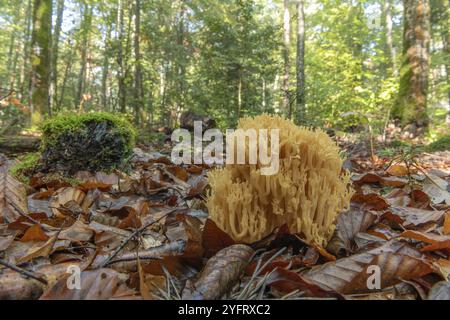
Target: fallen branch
x=135 y=234
x=22 y=271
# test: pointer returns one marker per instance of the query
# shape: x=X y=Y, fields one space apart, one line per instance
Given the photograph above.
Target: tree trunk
x=120 y=62
x=54 y=57
x=40 y=59
x=287 y=44
x=300 y=92
x=138 y=89
x=105 y=70
x=26 y=51
x=411 y=103
x=388 y=34
x=85 y=29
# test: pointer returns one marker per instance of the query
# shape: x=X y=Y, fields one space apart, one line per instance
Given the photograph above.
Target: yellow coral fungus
x=307 y=193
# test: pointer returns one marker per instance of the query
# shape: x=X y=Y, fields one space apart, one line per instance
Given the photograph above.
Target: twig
x=131 y=236
x=22 y=271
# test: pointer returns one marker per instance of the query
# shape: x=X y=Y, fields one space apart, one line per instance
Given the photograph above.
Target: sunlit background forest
x=327 y=63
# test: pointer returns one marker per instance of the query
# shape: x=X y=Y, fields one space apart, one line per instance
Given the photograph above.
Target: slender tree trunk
x=120 y=58
x=287 y=44
x=300 y=92
x=387 y=8
x=411 y=104
x=40 y=59
x=26 y=51
x=54 y=56
x=12 y=52
x=138 y=89
x=86 y=26
x=67 y=71
x=105 y=70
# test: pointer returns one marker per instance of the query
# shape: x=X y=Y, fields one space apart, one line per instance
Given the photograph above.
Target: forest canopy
x=322 y=63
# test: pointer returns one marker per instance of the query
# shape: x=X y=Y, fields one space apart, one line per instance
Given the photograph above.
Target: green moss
x=442 y=144
x=91 y=141
x=73 y=123
x=25 y=167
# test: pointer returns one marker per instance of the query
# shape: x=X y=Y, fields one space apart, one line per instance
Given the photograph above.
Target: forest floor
x=145 y=234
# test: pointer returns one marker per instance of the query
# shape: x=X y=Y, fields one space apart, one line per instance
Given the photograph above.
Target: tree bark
x=54 y=57
x=300 y=90
x=40 y=59
x=26 y=51
x=85 y=29
x=287 y=44
x=120 y=58
x=387 y=8
x=138 y=89
x=411 y=104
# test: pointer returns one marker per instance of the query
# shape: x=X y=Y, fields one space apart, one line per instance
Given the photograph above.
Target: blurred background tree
x=311 y=60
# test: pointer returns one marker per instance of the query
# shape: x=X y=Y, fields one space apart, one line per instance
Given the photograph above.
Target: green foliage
x=442 y=144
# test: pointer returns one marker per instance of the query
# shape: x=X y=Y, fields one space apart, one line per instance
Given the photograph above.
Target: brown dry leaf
x=178 y=172
x=444 y=267
x=34 y=233
x=44 y=250
x=397 y=170
x=447 y=223
x=186 y=228
x=198 y=184
x=78 y=232
x=285 y=282
x=349 y=224
x=349 y=275
x=440 y=291
x=5 y=241
x=86 y=186
x=64 y=196
x=214 y=239
x=219 y=274
x=97 y=284
x=419 y=199
x=436 y=189
x=371 y=200
x=131 y=221
x=424 y=236
x=414 y=217
x=371 y=178
x=13 y=197
x=143 y=287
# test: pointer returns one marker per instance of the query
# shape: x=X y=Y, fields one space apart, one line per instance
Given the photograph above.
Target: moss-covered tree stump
x=92 y=142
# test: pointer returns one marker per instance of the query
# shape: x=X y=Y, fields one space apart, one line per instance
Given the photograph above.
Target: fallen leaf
x=34 y=233
x=220 y=273
x=349 y=224
x=436 y=189
x=447 y=223
x=13 y=197
x=214 y=239
x=78 y=232
x=440 y=291
x=397 y=170
x=285 y=282
x=372 y=201
x=349 y=275
x=100 y=284
x=64 y=196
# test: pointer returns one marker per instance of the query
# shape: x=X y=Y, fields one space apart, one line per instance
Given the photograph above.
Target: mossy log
x=19 y=144
x=92 y=141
